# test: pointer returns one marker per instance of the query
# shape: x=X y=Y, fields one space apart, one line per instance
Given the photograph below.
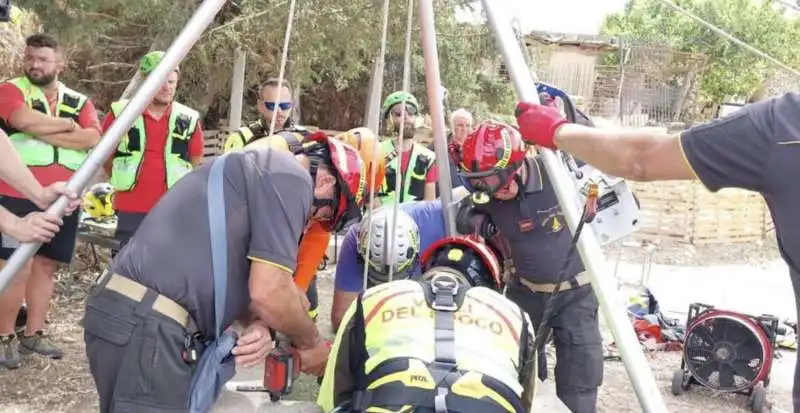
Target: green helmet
x=398 y=97
x=150 y=61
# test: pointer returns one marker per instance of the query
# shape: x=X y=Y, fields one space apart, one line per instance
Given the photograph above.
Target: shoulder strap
x=219 y=238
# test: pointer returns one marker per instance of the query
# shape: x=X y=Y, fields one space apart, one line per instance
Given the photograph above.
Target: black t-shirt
x=535 y=228
x=756 y=148
x=268 y=196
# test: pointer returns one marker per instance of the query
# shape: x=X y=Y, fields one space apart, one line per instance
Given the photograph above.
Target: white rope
x=725 y=34
x=282 y=73
x=399 y=180
x=375 y=149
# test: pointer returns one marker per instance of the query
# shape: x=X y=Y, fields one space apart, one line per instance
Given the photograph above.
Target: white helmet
x=381 y=258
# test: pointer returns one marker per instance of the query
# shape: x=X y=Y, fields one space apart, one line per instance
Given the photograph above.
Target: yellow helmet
x=98 y=201
x=365 y=142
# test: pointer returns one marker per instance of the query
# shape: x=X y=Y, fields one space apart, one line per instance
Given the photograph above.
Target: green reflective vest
x=413 y=182
x=130 y=153
x=36 y=152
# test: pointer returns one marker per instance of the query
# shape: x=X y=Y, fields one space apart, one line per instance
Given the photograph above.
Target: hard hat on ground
x=97 y=202
x=471 y=262
x=369 y=148
x=150 y=61
x=381 y=256
x=489 y=157
x=398 y=97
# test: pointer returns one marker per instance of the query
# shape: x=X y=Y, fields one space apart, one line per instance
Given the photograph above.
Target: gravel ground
x=52 y=386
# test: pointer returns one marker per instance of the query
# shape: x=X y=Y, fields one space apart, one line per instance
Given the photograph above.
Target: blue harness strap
x=216 y=365
x=218 y=225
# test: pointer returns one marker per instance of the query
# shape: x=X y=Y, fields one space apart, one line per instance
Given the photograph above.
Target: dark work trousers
x=579 y=345
x=127 y=224
x=313 y=299
x=135 y=355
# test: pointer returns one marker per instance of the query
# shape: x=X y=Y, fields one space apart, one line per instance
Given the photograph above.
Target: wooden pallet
x=686 y=211
x=212 y=143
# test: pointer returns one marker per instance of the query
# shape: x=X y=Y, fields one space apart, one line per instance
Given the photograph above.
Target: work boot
x=9 y=355
x=39 y=343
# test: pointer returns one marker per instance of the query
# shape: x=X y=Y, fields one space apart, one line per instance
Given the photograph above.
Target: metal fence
x=634 y=83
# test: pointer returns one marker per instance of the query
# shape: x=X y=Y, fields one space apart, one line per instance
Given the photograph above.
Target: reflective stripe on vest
x=130 y=152
x=35 y=152
x=419 y=163
x=411 y=346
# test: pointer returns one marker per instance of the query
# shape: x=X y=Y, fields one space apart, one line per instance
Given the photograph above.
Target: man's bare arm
x=430 y=191
x=341 y=302
x=37 y=123
x=275 y=301
x=80 y=138
x=638 y=155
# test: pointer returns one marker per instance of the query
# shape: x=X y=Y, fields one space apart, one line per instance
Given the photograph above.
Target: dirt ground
x=65 y=385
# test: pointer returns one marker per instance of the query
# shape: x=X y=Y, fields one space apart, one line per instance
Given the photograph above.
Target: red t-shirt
x=151 y=184
x=11 y=99
x=432 y=175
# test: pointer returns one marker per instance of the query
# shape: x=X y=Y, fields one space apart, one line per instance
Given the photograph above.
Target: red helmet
x=350 y=173
x=489 y=157
x=464 y=254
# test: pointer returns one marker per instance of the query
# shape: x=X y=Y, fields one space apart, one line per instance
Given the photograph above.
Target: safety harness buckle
x=445 y=290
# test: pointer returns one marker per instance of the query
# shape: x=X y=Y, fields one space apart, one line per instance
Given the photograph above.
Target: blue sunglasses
x=283 y=105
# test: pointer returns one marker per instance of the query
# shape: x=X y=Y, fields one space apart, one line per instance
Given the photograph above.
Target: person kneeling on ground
x=147 y=314
x=449 y=342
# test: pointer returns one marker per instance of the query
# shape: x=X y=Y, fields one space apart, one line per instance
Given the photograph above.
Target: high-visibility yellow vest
x=419 y=163
x=36 y=152
x=237 y=140
x=130 y=152
x=411 y=343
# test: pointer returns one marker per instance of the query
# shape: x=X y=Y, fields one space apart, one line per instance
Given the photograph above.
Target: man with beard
x=51 y=127
x=417 y=172
x=163 y=144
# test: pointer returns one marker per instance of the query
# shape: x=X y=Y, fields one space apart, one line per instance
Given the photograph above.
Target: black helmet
x=471 y=259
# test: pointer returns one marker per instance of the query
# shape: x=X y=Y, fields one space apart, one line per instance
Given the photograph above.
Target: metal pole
x=725 y=34
x=284 y=57
x=237 y=90
x=373 y=115
x=433 y=84
x=108 y=144
x=602 y=282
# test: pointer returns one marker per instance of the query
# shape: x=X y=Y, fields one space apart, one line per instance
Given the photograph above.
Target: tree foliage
x=731 y=71
x=331 y=51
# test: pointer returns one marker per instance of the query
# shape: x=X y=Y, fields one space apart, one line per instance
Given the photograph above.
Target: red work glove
x=538 y=124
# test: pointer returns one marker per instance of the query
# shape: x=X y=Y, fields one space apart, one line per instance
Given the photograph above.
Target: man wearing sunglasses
x=275 y=99
x=417 y=169
x=164 y=143
x=512 y=192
